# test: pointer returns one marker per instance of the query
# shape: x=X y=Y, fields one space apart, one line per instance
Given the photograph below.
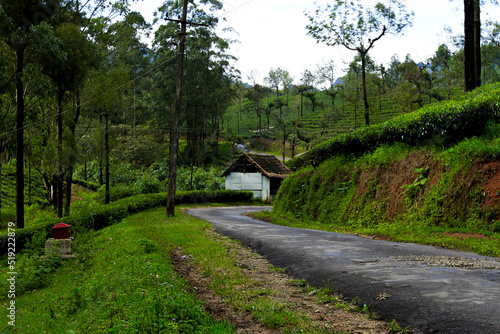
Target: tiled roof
x=269 y=165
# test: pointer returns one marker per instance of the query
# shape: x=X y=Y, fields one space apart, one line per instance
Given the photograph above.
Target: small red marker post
x=61 y=231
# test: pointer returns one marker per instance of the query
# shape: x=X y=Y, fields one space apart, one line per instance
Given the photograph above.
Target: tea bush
x=435 y=124
x=96 y=218
x=87 y=184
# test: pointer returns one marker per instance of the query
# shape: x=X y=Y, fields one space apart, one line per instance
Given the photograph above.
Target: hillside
x=324 y=122
x=446 y=188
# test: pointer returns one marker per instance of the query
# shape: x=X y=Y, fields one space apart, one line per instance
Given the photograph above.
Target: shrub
x=209 y=179
x=434 y=124
x=33 y=273
x=99 y=217
x=496 y=227
x=116 y=193
x=87 y=184
x=7 y=215
x=148 y=185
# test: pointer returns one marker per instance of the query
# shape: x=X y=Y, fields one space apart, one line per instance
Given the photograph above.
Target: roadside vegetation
x=121 y=282
x=412 y=184
x=124 y=281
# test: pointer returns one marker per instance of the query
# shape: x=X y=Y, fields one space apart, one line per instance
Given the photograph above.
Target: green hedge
x=86 y=184
x=105 y=215
x=436 y=123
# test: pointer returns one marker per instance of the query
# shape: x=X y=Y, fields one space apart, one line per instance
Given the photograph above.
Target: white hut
x=261 y=174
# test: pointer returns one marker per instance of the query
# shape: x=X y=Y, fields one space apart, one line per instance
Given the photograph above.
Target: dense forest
x=83 y=96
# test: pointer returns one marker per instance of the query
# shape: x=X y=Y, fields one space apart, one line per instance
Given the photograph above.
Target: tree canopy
x=358 y=27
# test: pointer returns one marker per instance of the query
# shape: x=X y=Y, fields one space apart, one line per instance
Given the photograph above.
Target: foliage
x=358 y=27
x=433 y=124
x=412 y=194
x=127 y=180
x=141 y=152
x=129 y=286
x=34 y=272
x=96 y=218
x=87 y=184
x=204 y=178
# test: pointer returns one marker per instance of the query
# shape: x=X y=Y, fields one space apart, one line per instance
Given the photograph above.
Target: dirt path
x=427 y=288
x=324 y=316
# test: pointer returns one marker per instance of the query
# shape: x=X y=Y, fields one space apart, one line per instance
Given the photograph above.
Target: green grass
x=122 y=282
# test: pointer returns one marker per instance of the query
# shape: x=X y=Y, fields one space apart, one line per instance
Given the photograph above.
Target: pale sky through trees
x=272 y=33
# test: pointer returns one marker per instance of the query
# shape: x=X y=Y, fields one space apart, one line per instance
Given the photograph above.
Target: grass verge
x=121 y=282
x=464 y=239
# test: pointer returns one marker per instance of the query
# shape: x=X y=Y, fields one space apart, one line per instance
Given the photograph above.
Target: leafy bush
x=96 y=218
x=116 y=192
x=7 y=215
x=148 y=184
x=122 y=173
x=141 y=151
x=433 y=124
x=204 y=178
x=33 y=273
x=472 y=148
x=496 y=227
x=126 y=180
x=87 y=184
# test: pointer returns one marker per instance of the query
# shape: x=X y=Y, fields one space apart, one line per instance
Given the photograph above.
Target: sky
x=272 y=34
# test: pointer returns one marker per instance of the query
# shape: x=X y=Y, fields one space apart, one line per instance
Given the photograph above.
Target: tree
x=240 y=92
x=67 y=67
x=443 y=73
x=17 y=19
x=490 y=54
x=255 y=94
x=287 y=81
x=357 y=28
x=414 y=74
x=274 y=80
x=493 y=33
x=6 y=126
x=326 y=73
x=208 y=81
x=472 y=43
x=106 y=93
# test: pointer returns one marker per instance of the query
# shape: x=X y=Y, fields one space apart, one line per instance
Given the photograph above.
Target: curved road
x=429 y=289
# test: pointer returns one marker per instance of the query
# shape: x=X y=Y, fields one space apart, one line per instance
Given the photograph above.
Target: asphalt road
x=430 y=289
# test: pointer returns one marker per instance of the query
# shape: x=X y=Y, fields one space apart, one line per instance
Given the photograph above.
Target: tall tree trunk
x=68 y=181
x=1 y=178
x=301 y=104
x=469 y=46
x=106 y=156
x=69 y=172
x=278 y=99
x=60 y=169
x=365 y=93
x=101 y=154
x=20 y=139
x=29 y=183
x=174 y=134
x=477 y=41
x=54 y=191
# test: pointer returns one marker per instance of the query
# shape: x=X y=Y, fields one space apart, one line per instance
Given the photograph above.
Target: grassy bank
x=121 y=282
x=440 y=196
